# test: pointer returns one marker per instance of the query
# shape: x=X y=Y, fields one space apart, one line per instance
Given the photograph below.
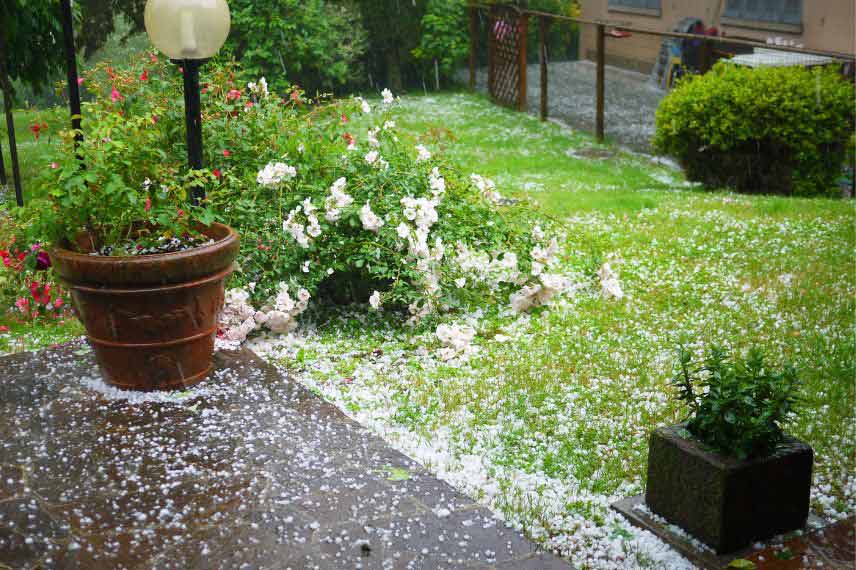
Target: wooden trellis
x=506 y=70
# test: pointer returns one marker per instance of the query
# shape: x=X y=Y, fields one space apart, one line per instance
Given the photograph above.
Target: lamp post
x=189 y=32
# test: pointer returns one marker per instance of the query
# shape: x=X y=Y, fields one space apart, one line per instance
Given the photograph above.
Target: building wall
x=827 y=25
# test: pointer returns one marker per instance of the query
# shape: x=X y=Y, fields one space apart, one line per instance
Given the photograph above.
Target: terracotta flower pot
x=151 y=319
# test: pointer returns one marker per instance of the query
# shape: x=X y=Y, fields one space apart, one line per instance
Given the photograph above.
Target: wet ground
x=629 y=108
x=247 y=470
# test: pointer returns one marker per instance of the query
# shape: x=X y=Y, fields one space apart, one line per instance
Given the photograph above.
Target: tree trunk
x=393 y=70
x=2 y=169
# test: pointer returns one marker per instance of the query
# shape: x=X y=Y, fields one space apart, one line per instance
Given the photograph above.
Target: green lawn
x=547 y=421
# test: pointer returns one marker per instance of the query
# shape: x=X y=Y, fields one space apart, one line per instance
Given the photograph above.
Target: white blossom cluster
x=545 y=286
x=423 y=153
x=337 y=200
x=456 y=339
x=259 y=89
x=374 y=158
x=364 y=105
x=481 y=268
x=303 y=234
x=437 y=183
x=388 y=98
x=274 y=173
x=610 y=287
x=371 y=221
x=487 y=187
x=238 y=317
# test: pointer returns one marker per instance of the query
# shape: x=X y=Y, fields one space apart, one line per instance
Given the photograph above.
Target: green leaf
x=741 y=564
x=398 y=474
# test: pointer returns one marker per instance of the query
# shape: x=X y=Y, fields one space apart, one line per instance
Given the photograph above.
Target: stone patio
x=247 y=470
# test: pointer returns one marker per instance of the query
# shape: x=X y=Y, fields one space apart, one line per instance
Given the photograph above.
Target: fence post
x=706 y=56
x=491 y=53
x=473 y=45
x=543 y=24
x=601 y=61
x=523 y=30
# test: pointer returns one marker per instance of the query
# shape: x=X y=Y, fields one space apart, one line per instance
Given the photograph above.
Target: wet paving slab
x=247 y=470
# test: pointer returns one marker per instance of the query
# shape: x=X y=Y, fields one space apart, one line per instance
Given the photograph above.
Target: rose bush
x=331 y=201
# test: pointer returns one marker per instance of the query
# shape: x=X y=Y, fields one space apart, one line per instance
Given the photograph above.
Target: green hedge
x=767 y=130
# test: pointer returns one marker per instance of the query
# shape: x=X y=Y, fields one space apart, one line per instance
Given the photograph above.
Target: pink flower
x=58 y=303
x=227 y=153
x=144 y=76
x=23 y=304
x=4 y=328
x=344 y=118
x=41 y=295
x=217 y=173
x=115 y=95
x=54 y=165
x=180 y=212
x=148 y=203
x=80 y=81
x=233 y=95
x=43 y=261
x=153 y=58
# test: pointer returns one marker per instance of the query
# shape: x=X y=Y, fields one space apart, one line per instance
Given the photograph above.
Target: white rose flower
x=374 y=300
x=370 y=220
x=423 y=153
x=364 y=105
x=610 y=287
x=402 y=230
x=372 y=157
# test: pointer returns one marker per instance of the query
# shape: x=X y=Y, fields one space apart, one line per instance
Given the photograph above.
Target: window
x=648 y=7
x=770 y=12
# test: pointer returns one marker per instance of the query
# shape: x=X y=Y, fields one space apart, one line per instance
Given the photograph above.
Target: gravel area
x=631 y=99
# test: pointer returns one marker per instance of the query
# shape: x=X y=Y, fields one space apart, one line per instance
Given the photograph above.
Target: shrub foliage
x=766 y=130
x=737 y=406
x=328 y=196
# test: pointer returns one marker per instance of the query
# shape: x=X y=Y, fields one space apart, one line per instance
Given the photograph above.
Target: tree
x=317 y=44
x=99 y=21
x=30 y=50
x=445 y=39
x=394 y=28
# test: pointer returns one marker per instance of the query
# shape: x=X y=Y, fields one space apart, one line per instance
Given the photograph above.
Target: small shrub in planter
x=730 y=475
x=765 y=130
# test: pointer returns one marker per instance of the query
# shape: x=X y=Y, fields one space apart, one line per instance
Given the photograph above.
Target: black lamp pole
x=71 y=70
x=6 y=87
x=193 y=119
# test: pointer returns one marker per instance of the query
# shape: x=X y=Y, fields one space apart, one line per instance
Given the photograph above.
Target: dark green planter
x=723 y=501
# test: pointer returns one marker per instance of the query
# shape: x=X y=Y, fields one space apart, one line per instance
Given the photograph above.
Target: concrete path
x=247 y=470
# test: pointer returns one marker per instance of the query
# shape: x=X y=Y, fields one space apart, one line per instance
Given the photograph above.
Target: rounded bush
x=766 y=130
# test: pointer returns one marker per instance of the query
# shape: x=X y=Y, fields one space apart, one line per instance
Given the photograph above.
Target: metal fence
x=605 y=77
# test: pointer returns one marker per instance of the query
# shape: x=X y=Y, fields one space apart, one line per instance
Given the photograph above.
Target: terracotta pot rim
x=147 y=271
x=231 y=235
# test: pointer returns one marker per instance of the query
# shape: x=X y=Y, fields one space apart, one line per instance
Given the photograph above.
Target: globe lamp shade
x=187 y=29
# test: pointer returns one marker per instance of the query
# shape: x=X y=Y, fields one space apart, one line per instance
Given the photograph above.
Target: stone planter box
x=725 y=502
